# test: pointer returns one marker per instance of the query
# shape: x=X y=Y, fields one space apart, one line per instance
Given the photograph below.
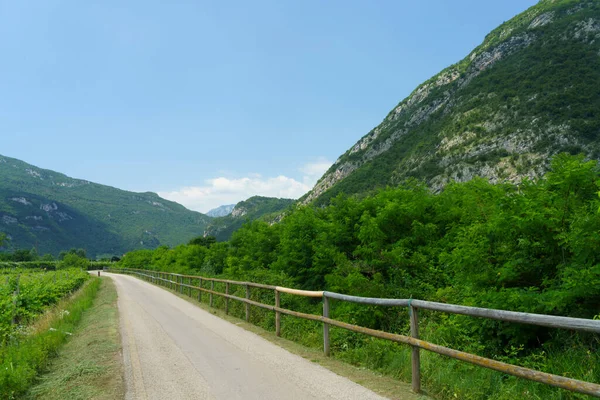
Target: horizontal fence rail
x=502 y=315
x=177 y=282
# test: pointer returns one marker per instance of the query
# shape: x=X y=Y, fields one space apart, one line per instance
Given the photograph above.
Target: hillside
x=529 y=91
x=254 y=208
x=53 y=212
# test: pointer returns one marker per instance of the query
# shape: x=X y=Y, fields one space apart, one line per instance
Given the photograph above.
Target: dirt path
x=175 y=350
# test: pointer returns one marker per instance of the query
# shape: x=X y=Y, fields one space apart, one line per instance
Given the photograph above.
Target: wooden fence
x=178 y=282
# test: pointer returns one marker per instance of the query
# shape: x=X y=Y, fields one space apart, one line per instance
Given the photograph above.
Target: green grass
x=89 y=365
x=22 y=361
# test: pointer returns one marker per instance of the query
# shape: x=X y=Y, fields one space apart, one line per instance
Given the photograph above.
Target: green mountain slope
x=257 y=207
x=530 y=90
x=53 y=212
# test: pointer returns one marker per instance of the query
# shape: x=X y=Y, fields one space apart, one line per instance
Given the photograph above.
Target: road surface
x=173 y=349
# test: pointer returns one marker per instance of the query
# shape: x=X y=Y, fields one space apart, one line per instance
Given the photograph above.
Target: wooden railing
x=178 y=282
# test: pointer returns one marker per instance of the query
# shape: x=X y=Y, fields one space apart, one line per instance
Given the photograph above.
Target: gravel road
x=173 y=349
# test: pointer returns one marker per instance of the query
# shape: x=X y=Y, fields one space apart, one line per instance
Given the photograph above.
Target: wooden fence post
x=226 y=299
x=277 y=313
x=247 y=305
x=212 y=288
x=416 y=358
x=200 y=290
x=326 y=326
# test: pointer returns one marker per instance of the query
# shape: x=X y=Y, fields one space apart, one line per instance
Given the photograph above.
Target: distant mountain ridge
x=53 y=212
x=529 y=91
x=221 y=211
x=256 y=207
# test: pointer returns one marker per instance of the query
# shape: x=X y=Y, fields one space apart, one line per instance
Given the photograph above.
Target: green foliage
x=26 y=294
x=76 y=252
x=53 y=212
x=255 y=208
x=40 y=264
x=72 y=260
x=525 y=94
x=26 y=354
x=531 y=248
x=204 y=241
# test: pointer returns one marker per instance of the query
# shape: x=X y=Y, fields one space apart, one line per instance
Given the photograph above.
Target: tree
x=3 y=239
x=204 y=241
x=78 y=252
x=22 y=255
x=34 y=254
x=72 y=260
x=47 y=257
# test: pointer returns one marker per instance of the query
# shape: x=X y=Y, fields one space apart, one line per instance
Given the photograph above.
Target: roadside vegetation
x=89 y=365
x=531 y=248
x=37 y=314
x=30 y=259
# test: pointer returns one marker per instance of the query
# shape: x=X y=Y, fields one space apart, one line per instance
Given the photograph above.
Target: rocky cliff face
x=221 y=211
x=529 y=91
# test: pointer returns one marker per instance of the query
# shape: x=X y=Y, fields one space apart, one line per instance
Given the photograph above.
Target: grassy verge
x=385 y=385
x=89 y=365
x=22 y=361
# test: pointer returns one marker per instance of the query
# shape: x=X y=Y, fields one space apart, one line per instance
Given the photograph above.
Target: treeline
x=24 y=255
x=30 y=259
x=531 y=247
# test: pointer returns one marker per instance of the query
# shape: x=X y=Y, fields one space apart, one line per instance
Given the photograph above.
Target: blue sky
x=209 y=103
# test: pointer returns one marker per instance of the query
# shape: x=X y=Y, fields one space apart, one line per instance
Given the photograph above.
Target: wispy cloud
x=314 y=170
x=218 y=191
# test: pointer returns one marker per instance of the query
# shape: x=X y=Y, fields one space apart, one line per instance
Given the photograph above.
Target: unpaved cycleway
x=173 y=349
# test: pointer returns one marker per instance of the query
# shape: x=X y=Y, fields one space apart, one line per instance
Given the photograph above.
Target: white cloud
x=314 y=170
x=221 y=190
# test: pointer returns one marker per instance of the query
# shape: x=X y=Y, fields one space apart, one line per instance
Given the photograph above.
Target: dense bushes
x=532 y=247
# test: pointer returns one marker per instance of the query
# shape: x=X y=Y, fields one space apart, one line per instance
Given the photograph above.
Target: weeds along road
x=173 y=349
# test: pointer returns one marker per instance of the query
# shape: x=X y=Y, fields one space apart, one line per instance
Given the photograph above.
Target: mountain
x=257 y=207
x=221 y=211
x=529 y=91
x=48 y=210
